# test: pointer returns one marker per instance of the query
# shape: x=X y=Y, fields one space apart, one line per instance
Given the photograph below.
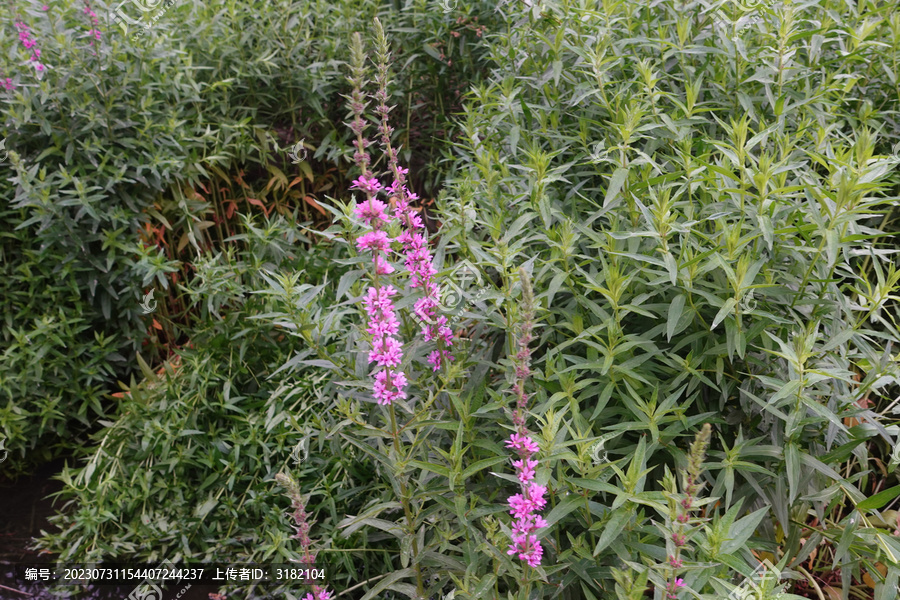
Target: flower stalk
x=380 y=217
x=418 y=260
x=301 y=522
x=681 y=510
x=524 y=506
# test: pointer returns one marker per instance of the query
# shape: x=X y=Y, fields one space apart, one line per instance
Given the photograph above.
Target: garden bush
x=702 y=197
x=664 y=272
x=182 y=472
x=131 y=156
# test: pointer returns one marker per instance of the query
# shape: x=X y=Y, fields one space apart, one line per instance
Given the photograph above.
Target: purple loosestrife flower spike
x=30 y=44
x=383 y=325
x=95 y=23
x=415 y=245
x=682 y=509
x=303 y=525
x=523 y=507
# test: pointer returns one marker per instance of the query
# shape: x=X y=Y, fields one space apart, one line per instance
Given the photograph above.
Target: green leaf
x=568 y=504
x=792 y=464
x=485 y=587
x=613 y=528
x=387 y=582
x=726 y=310
x=741 y=530
x=615 y=184
x=879 y=499
x=482 y=464
x=207 y=506
x=434 y=468
x=676 y=309
x=671 y=267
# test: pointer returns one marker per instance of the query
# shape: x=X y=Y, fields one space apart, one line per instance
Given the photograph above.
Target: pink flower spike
x=45 y=8
x=383 y=267
x=526 y=469
x=387 y=352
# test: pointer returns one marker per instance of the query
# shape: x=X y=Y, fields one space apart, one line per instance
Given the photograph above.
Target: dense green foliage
x=702 y=195
x=129 y=163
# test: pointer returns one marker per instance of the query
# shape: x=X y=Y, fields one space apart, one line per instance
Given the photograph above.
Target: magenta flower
x=386 y=351
x=28 y=42
x=318 y=593
x=524 y=506
x=673 y=587
x=95 y=22
x=372 y=212
x=389 y=386
x=421 y=269
x=536 y=495
x=522 y=444
x=376 y=240
x=369 y=185
x=528 y=548
x=382 y=320
x=525 y=467
x=383 y=267
x=45 y=8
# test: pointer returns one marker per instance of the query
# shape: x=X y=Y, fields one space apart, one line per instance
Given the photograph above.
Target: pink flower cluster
x=318 y=593
x=95 y=31
x=418 y=263
x=673 y=587
x=383 y=325
x=387 y=350
x=7 y=83
x=29 y=43
x=524 y=506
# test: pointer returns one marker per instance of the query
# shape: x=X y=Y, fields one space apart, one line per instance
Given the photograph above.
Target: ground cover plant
x=651 y=344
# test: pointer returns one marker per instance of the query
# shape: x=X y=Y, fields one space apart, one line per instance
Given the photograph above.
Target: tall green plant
x=698 y=200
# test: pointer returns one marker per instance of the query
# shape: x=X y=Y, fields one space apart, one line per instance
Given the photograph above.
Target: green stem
x=404 y=500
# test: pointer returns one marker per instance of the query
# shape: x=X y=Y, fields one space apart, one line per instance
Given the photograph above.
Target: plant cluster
x=128 y=164
x=681 y=215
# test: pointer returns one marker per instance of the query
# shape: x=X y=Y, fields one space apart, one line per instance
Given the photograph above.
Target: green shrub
x=704 y=222
x=185 y=471
x=118 y=139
